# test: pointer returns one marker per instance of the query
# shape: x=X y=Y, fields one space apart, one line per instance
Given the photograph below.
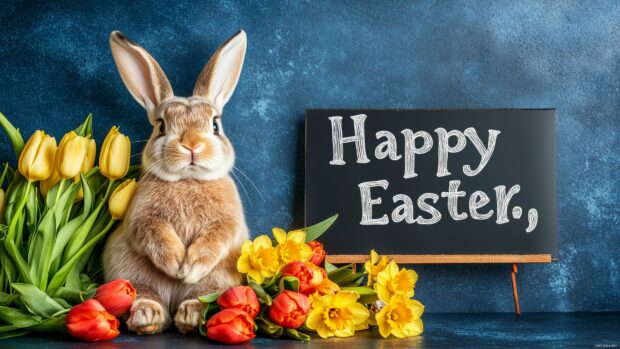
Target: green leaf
x=40 y=249
x=368 y=299
x=61 y=276
x=56 y=323
x=313 y=232
x=266 y=327
x=86 y=128
x=292 y=333
x=362 y=290
x=209 y=298
x=16 y=258
x=16 y=138
x=290 y=283
x=352 y=280
x=7 y=265
x=330 y=267
x=37 y=301
x=5 y=173
x=4 y=333
x=6 y=299
x=338 y=274
x=263 y=297
x=18 y=318
x=207 y=311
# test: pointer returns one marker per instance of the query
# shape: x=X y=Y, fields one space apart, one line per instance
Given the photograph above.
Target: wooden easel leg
x=515 y=292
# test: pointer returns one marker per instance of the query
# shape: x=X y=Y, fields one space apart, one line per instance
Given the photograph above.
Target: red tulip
x=289 y=309
x=89 y=321
x=116 y=296
x=308 y=274
x=231 y=326
x=240 y=297
x=318 y=253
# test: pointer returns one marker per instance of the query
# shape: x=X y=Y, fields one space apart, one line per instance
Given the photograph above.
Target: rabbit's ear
x=143 y=77
x=218 y=79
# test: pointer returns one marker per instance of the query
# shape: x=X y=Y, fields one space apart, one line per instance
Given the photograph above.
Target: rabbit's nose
x=192 y=141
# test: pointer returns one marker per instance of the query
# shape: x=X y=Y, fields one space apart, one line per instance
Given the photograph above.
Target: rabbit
x=183 y=231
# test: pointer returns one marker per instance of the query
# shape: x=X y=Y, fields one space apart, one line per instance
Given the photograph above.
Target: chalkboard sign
x=434 y=186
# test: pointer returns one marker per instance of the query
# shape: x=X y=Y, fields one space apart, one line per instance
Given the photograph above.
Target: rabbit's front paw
x=169 y=260
x=196 y=265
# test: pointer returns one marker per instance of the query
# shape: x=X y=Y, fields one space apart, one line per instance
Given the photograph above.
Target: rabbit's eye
x=162 y=127
x=216 y=126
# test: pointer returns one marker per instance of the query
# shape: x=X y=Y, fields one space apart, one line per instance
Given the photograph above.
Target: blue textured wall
x=55 y=67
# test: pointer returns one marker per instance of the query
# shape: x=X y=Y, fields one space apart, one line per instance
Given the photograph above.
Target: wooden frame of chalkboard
x=523 y=155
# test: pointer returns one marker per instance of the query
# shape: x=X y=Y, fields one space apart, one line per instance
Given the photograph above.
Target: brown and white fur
x=183 y=232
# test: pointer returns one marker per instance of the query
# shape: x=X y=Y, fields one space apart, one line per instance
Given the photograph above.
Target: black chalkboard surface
x=443 y=185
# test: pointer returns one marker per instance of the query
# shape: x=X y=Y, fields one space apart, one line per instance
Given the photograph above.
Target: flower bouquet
x=291 y=291
x=56 y=209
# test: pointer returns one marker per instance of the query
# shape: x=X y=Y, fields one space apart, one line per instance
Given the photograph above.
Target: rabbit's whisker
x=243 y=187
x=251 y=182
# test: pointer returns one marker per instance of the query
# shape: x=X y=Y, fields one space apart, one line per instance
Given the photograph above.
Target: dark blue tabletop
x=534 y=330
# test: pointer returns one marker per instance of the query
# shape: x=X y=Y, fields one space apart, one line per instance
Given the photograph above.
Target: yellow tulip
x=258 y=259
x=292 y=246
x=47 y=184
x=401 y=317
x=120 y=199
x=71 y=155
x=36 y=161
x=115 y=155
x=2 y=204
x=374 y=266
x=87 y=165
x=337 y=314
x=393 y=280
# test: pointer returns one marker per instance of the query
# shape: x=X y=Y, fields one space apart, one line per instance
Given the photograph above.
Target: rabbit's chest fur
x=189 y=206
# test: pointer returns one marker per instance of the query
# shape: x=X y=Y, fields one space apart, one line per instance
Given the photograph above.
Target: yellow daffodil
x=393 y=280
x=401 y=317
x=337 y=314
x=36 y=161
x=258 y=259
x=70 y=155
x=292 y=247
x=115 y=155
x=120 y=198
x=374 y=266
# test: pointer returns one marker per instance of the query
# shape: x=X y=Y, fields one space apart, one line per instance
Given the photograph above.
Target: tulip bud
x=318 y=253
x=120 y=198
x=116 y=296
x=70 y=155
x=115 y=155
x=309 y=276
x=231 y=326
x=87 y=165
x=2 y=204
x=36 y=161
x=289 y=309
x=240 y=297
x=91 y=322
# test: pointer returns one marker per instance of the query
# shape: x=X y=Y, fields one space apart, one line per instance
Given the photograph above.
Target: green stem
x=60 y=188
x=16 y=217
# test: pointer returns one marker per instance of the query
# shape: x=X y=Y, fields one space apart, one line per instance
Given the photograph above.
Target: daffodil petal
x=297 y=236
x=279 y=234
